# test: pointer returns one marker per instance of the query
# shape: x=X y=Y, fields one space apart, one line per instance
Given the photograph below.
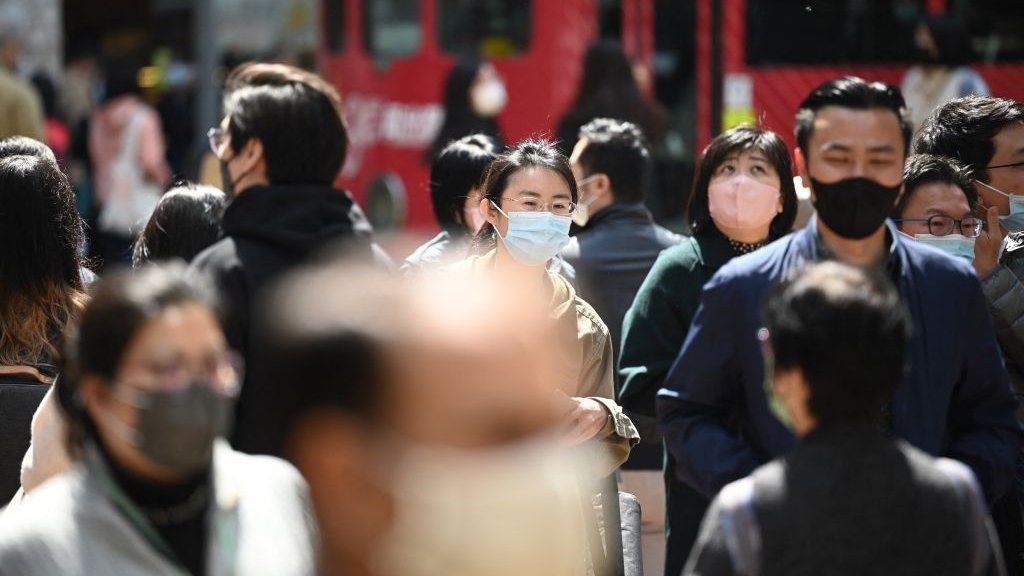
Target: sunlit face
x=529 y=190
x=849 y=143
x=179 y=343
x=934 y=199
x=1009 y=149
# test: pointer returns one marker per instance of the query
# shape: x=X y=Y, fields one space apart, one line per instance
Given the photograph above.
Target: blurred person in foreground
x=126 y=147
x=281 y=143
x=742 y=198
x=185 y=222
x=41 y=291
x=955 y=399
x=437 y=451
x=146 y=387
x=943 y=52
x=847 y=499
x=21 y=112
x=527 y=200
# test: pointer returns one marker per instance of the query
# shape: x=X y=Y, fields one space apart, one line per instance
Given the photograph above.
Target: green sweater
x=657 y=323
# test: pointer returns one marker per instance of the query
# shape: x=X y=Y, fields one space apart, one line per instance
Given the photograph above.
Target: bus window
x=392 y=29
x=491 y=28
x=829 y=31
x=334 y=24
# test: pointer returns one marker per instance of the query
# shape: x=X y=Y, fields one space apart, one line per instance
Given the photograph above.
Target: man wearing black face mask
x=954 y=401
x=281 y=145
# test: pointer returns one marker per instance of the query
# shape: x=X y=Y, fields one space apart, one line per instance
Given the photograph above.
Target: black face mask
x=854 y=208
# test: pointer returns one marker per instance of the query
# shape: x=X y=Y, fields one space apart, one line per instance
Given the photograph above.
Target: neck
x=864 y=252
x=751 y=236
x=509 y=267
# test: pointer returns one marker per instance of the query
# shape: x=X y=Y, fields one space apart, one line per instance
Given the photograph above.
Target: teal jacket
x=656 y=324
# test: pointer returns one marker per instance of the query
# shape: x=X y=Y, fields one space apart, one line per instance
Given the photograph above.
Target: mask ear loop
x=503 y=213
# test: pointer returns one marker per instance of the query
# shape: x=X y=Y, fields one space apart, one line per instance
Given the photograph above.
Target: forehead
x=544 y=182
x=939 y=198
x=874 y=128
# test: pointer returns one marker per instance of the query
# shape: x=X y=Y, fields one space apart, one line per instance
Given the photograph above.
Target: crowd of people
x=554 y=384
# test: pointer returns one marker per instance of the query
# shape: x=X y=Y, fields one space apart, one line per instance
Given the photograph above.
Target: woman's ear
x=93 y=394
x=489 y=212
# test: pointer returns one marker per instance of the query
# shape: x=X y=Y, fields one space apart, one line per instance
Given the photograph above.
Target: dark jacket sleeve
x=221 y=269
x=652 y=335
x=700 y=394
x=983 y=427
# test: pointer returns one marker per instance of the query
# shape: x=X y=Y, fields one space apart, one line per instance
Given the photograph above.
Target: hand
x=584 y=421
x=986 y=247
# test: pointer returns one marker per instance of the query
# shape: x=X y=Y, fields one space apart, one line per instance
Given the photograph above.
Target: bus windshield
x=490 y=28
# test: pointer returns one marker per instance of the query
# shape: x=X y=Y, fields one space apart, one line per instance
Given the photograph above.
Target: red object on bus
x=390 y=58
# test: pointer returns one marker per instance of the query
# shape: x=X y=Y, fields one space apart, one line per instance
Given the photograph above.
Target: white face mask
x=533 y=238
x=504 y=511
x=581 y=215
x=489 y=99
x=952 y=244
x=1014 y=221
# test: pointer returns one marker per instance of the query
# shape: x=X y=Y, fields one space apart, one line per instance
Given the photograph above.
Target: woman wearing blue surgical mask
x=528 y=196
x=147 y=388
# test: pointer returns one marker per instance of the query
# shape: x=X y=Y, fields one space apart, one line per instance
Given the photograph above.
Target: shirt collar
x=892 y=264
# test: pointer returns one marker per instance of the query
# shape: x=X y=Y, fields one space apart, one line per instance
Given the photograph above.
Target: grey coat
x=1004 y=294
x=260 y=523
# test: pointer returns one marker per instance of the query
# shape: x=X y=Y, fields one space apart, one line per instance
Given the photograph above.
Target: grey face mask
x=177 y=428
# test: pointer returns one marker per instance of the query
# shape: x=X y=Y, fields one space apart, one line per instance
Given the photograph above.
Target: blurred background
x=702 y=66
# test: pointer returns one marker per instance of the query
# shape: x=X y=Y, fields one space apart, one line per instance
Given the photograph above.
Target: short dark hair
x=825 y=321
x=923 y=169
x=186 y=221
x=295 y=114
x=121 y=305
x=740 y=139
x=619 y=150
x=963 y=129
x=456 y=170
x=527 y=154
x=25 y=146
x=856 y=93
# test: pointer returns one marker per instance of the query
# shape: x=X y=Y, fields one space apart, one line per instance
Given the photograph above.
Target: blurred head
x=47 y=91
x=120 y=78
x=455 y=177
x=612 y=163
x=760 y=156
x=852 y=138
x=937 y=188
x=437 y=407
x=147 y=374
x=40 y=266
x=10 y=44
x=820 y=326
x=943 y=40
x=185 y=222
x=282 y=125
x=987 y=135
x=606 y=68
x=533 y=177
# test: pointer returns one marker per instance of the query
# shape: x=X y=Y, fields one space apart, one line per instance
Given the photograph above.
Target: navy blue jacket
x=955 y=400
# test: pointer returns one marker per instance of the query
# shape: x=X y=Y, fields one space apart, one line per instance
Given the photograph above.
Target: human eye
x=727 y=168
x=758 y=169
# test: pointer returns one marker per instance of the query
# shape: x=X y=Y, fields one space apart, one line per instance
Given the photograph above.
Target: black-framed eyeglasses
x=1010 y=165
x=939 y=225
x=216 y=136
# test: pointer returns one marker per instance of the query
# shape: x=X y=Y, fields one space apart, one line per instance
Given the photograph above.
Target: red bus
x=390 y=58
x=757 y=59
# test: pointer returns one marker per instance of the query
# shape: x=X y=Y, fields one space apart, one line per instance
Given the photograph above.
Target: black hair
x=121 y=305
x=825 y=321
x=527 y=154
x=25 y=146
x=608 y=89
x=47 y=91
x=952 y=40
x=617 y=149
x=120 y=78
x=854 y=93
x=735 y=140
x=185 y=222
x=41 y=286
x=295 y=114
x=459 y=118
x=922 y=169
x=963 y=129
x=454 y=172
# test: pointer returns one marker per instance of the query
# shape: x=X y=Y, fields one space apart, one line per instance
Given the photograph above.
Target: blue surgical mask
x=1014 y=222
x=533 y=238
x=952 y=244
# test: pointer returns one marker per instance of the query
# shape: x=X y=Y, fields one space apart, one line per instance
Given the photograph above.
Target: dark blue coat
x=955 y=400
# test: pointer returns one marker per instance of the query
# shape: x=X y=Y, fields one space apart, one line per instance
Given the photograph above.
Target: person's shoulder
x=942 y=478
x=48 y=510
x=760 y=267
x=264 y=474
x=218 y=257
x=684 y=254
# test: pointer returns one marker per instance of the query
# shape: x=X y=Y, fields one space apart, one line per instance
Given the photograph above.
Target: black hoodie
x=268 y=230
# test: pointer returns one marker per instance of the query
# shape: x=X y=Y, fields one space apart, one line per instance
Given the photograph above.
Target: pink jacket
x=105 y=133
